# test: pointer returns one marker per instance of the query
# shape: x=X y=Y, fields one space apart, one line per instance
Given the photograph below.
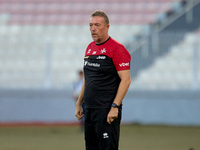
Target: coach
x=106 y=82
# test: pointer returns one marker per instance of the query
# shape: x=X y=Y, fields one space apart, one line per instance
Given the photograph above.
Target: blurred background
x=42 y=45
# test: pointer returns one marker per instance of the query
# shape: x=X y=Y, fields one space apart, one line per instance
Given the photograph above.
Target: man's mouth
x=93 y=34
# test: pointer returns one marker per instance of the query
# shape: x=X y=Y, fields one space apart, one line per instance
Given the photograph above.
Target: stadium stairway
x=174 y=70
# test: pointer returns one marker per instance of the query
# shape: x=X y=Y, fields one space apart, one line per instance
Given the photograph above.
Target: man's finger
x=110 y=120
x=79 y=115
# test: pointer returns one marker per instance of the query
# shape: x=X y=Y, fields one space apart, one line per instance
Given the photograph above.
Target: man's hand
x=112 y=115
x=79 y=112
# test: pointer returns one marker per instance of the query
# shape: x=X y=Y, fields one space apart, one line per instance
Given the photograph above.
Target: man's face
x=98 y=29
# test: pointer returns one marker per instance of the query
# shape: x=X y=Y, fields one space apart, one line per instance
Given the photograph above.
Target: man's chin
x=95 y=39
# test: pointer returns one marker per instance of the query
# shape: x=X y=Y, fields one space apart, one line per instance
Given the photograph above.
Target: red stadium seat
x=74 y=8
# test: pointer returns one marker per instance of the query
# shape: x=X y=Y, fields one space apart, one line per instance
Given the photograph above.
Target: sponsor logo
x=86 y=57
x=105 y=135
x=124 y=64
x=101 y=57
x=86 y=63
x=103 y=50
x=94 y=52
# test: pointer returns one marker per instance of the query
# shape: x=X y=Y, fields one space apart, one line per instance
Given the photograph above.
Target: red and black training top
x=101 y=63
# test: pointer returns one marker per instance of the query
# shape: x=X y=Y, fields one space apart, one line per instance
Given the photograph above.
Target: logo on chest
x=93 y=52
x=103 y=50
x=89 y=51
x=101 y=57
x=86 y=63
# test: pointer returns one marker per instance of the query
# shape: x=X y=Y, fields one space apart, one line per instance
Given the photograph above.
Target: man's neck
x=103 y=41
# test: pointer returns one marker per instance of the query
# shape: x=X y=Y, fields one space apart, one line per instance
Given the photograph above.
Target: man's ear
x=107 y=26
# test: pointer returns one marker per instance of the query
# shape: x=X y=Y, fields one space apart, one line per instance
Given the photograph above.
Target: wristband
x=115 y=105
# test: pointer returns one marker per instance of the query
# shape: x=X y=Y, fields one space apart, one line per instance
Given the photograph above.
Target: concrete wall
x=57 y=106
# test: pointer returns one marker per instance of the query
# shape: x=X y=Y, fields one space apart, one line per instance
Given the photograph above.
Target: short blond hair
x=101 y=13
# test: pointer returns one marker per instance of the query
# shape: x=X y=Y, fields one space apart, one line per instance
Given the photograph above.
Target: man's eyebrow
x=94 y=23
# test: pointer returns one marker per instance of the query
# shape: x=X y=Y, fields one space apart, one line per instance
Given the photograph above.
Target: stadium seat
x=31 y=29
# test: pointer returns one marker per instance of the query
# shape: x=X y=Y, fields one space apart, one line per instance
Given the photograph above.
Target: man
x=77 y=88
x=107 y=79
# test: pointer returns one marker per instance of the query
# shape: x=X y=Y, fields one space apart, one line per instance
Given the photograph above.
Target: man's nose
x=93 y=28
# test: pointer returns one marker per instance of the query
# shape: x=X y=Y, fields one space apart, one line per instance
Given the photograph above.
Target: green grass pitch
x=133 y=137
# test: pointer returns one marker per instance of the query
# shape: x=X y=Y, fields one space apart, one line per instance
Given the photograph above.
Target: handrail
x=188 y=7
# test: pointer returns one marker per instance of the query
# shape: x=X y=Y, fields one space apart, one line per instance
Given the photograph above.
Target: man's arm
x=122 y=90
x=79 y=110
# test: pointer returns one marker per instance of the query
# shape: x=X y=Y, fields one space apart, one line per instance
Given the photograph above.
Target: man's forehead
x=97 y=19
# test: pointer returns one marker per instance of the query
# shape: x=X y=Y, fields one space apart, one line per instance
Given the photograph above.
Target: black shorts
x=99 y=135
